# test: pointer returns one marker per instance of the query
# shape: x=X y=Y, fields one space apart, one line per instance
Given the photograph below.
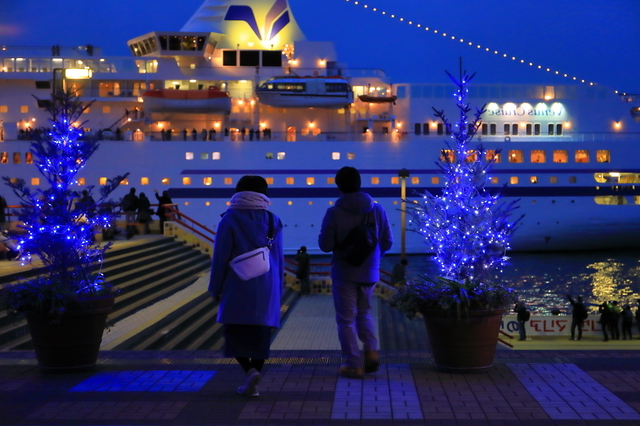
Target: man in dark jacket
x=353 y=286
x=577 y=316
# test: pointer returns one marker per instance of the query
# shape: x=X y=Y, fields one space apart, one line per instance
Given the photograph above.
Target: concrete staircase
x=144 y=271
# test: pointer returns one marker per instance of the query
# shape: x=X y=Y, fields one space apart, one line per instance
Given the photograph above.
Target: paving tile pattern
x=303 y=388
x=565 y=391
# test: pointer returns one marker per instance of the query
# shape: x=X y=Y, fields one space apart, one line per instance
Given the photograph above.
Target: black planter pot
x=72 y=343
x=465 y=345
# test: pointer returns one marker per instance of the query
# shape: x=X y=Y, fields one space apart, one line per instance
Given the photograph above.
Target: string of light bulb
x=477 y=46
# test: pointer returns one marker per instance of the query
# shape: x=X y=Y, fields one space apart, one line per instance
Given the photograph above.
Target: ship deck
x=540 y=381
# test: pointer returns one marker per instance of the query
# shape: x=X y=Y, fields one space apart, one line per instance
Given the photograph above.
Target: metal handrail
x=174 y=215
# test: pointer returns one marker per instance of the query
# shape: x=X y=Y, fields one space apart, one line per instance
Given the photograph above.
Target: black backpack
x=360 y=242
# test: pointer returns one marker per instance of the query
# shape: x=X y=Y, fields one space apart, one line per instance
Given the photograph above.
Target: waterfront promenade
x=539 y=382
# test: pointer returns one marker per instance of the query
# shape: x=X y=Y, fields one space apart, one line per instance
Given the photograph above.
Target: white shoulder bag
x=254 y=263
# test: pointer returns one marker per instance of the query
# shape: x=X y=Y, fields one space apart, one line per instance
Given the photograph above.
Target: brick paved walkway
x=302 y=388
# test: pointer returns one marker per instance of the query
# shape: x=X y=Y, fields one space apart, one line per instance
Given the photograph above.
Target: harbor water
x=543 y=280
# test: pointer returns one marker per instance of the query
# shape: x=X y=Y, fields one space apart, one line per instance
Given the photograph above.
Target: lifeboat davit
x=211 y=100
x=305 y=92
x=377 y=99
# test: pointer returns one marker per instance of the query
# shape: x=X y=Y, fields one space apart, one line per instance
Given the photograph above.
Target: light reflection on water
x=543 y=280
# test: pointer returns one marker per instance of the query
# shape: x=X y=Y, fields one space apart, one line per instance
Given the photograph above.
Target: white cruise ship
x=239 y=90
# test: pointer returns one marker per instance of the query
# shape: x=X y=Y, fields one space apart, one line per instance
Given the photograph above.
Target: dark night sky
x=592 y=40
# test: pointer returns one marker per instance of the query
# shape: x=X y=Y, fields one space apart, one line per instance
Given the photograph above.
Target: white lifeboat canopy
x=305 y=92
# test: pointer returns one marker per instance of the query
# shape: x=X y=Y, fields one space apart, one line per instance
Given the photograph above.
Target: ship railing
x=367 y=137
x=320 y=278
x=600 y=137
x=184 y=228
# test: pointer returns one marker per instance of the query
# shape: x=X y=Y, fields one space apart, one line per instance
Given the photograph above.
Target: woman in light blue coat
x=250 y=309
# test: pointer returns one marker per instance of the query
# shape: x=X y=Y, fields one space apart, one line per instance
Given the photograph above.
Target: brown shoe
x=371 y=361
x=352 y=372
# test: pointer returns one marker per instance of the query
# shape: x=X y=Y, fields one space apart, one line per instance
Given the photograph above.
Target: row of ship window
x=513 y=156
x=612 y=177
x=491 y=129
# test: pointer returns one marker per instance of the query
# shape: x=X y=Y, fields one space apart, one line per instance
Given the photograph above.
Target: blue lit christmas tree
x=59 y=227
x=466 y=227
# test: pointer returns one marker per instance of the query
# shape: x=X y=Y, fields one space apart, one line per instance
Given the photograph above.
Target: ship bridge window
x=335 y=155
x=207 y=181
x=493 y=155
x=188 y=155
x=510 y=129
x=516 y=156
x=550 y=128
x=538 y=156
x=529 y=129
x=175 y=42
x=560 y=156
x=186 y=180
x=417 y=129
x=582 y=156
x=440 y=129
x=249 y=58
x=271 y=58
x=229 y=58
x=603 y=156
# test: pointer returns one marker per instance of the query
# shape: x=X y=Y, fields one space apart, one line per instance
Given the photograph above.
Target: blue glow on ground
x=146 y=381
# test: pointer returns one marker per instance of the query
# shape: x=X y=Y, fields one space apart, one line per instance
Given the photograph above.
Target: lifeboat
x=212 y=100
x=377 y=99
x=305 y=92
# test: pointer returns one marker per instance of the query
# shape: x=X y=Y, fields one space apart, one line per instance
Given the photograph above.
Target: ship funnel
x=261 y=24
